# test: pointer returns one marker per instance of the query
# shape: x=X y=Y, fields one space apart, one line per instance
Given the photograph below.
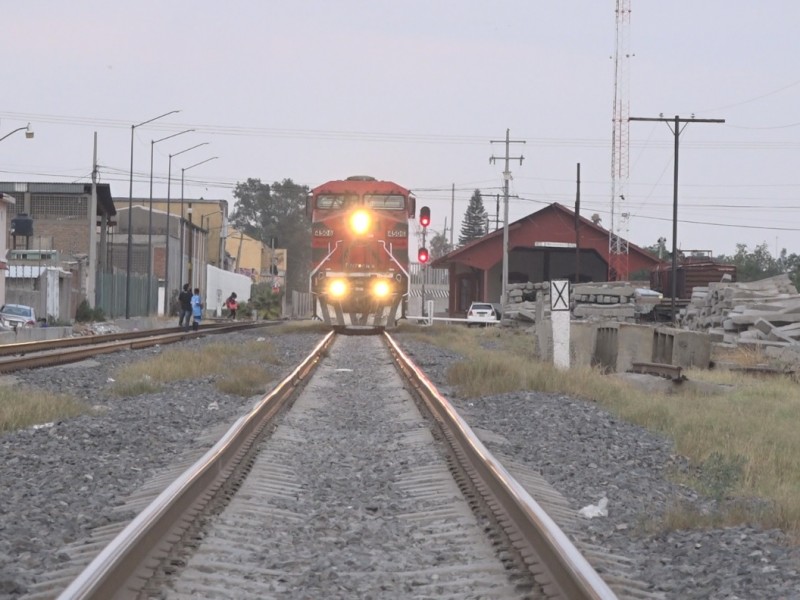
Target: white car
x=17 y=315
x=482 y=313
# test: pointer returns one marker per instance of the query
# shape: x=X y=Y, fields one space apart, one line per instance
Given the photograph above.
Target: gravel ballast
x=62 y=480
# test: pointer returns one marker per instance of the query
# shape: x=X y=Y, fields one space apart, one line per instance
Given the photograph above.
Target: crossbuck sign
x=559 y=295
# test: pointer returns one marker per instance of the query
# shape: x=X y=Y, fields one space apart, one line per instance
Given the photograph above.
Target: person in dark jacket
x=232 y=304
x=185 y=302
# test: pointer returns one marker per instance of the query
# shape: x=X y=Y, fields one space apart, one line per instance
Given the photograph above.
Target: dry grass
x=742 y=442
x=23 y=407
x=241 y=369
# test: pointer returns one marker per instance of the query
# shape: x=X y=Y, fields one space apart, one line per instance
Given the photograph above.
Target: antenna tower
x=618 y=233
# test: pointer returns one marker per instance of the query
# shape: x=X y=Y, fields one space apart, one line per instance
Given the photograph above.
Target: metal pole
x=91 y=279
x=130 y=217
x=183 y=170
x=577 y=227
x=190 y=233
x=130 y=237
x=150 y=219
x=424 y=272
x=169 y=234
x=452 y=211
x=506 y=177
x=180 y=279
x=150 y=233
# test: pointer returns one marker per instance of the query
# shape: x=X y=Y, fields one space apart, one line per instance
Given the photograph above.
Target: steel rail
x=555 y=561
x=128 y=561
x=51 y=352
x=19 y=348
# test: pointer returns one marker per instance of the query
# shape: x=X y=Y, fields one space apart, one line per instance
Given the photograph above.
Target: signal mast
x=423 y=256
x=618 y=232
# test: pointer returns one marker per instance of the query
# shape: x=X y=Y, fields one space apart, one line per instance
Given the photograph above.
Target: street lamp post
x=183 y=170
x=208 y=216
x=28 y=132
x=150 y=218
x=130 y=217
x=169 y=222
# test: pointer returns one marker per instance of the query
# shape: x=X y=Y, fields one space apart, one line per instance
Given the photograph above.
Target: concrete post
x=559 y=314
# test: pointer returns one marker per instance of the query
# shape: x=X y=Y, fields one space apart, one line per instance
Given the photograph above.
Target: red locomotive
x=359 y=251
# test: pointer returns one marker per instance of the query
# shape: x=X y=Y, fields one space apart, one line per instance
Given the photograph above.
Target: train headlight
x=337 y=288
x=381 y=289
x=360 y=222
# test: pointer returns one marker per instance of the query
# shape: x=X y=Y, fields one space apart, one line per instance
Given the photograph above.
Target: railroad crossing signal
x=423 y=256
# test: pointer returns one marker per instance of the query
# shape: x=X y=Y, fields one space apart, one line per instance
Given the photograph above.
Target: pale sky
x=413 y=92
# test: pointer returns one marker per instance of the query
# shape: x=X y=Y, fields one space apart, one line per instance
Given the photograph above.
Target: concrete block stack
x=594 y=301
x=764 y=312
x=604 y=301
x=523 y=300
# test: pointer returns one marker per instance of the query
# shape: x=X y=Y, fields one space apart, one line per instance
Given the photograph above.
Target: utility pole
x=676 y=129
x=506 y=178
x=92 y=267
x=452 y=212
x=577 y=226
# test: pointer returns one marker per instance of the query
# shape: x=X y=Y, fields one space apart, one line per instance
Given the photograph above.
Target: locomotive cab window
x=335 y=201
x=385 y=201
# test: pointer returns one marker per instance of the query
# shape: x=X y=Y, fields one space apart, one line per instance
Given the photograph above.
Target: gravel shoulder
x=587 y=454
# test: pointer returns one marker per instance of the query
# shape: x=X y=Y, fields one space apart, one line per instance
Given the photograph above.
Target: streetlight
x=130 y=216
x=183 y=170
x=28 y=132
x=169 y=219
x=150 y=219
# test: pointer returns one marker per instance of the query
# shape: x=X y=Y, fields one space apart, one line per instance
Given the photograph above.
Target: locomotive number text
x=323 y=232
x=396 y=233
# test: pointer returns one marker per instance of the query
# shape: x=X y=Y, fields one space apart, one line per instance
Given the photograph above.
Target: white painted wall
x=219 y=286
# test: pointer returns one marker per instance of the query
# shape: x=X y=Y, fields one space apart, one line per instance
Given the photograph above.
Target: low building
x=256 y=259
x=65 y=221
x=541 y=247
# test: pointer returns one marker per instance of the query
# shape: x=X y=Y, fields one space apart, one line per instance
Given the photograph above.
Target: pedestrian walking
x=197 y=309
x=185 y=307
x=232 y=304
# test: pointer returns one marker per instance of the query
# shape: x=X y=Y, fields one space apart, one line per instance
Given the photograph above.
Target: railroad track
x=47 y=353
x=471 y=529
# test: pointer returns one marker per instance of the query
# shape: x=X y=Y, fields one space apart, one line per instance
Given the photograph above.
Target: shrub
x=86 y=314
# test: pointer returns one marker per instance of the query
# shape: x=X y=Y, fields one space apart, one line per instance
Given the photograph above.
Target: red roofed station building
x=542 y=247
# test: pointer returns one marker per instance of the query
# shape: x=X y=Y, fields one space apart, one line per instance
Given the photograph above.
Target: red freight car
x=696 y=268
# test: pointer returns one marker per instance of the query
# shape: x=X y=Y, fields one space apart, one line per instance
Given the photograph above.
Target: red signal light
x=424 y=216
x=423 y=256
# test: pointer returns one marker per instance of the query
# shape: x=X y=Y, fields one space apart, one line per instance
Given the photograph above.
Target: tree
x=439 y=246
x=760 y=264
x=755 y=265
x=278 y=211
x=475 y=224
